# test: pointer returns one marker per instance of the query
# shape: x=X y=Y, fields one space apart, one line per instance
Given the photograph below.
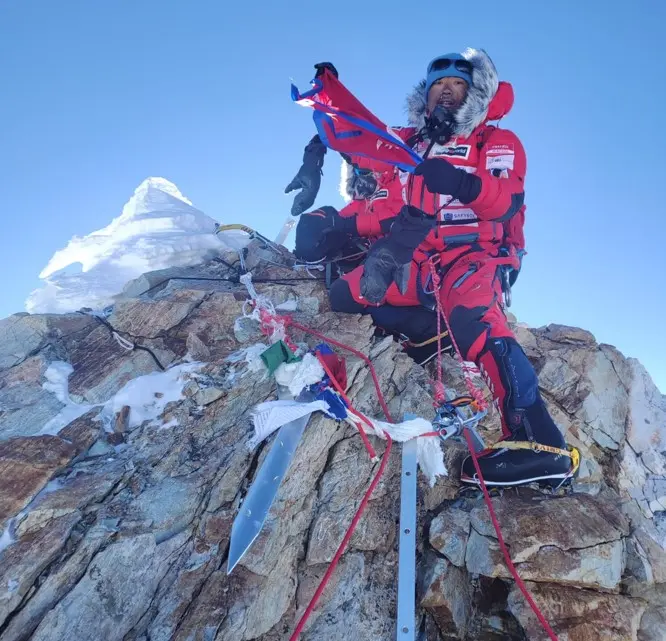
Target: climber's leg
x=399 y=314
x=314 y=238
x=471 y=294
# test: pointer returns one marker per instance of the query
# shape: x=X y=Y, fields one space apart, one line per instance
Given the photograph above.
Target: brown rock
x=22 y=562
x=153 y=318
x=448 y=597
x=569 y=335
x=31 y=370
x=213 y=323
x=217 y=527
x=83 y=431
x=66 y=497
x=102 y=367
x=122 y=420
x=26 y=466
x=577 y=615
x=115 y=438
x=448 y=535
x=575 y=540
x=208 y=610
x=67 y=327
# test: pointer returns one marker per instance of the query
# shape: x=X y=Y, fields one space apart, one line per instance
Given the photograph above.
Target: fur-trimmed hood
x=487 y=97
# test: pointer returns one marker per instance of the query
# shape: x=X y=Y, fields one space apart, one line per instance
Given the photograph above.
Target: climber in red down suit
x=462 y=210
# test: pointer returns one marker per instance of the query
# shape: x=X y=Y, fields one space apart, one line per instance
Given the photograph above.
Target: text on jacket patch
x=458 y=151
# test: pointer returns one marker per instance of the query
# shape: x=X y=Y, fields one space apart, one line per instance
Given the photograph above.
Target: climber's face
x=448 y=92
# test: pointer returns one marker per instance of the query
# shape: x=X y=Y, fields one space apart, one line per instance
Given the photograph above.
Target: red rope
x=500 y=539
x=440 y=392
x=475 y=393
x=343 y=545
x=366 y=497
x=269 y=323
x=360 y=355
x=361 y=431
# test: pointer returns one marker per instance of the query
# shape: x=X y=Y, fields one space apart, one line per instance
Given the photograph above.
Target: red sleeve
x=353 y=208
x=502 y=167
x=369 y=216
x=384 y=205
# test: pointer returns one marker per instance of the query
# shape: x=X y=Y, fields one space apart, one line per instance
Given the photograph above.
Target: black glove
x=308 y=178
x=322 y=66
x=337 y=223
x=390 y=258
x=441 y=177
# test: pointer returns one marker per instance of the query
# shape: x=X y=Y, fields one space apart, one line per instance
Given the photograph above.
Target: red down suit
x=471 y=241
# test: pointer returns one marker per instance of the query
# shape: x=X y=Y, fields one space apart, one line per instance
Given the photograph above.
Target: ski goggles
x=451 y=65
x=460 y=64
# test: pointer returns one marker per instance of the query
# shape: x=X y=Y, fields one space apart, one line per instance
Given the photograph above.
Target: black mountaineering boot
x=532 y=448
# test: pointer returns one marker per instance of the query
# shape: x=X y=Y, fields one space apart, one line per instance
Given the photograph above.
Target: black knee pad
x=342 y=300
x=518 y=375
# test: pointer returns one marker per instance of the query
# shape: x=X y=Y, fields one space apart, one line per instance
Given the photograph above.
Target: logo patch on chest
x=459 y=151
x=457 y=216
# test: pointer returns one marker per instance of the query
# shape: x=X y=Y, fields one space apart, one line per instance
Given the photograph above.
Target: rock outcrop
x=122 y=469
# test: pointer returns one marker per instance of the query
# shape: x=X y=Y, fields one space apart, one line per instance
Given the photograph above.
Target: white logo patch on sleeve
x=500 y=162
x=500 y=157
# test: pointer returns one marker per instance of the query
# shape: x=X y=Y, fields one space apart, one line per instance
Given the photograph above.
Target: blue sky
x=96 y=96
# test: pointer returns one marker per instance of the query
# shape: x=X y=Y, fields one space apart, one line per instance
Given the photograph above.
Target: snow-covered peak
x=150 y=192
x=158 y=228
